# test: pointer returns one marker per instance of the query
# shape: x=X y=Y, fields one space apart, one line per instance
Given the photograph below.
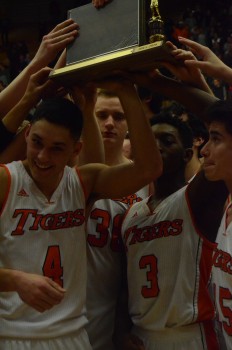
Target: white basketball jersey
x=104 y=248
x=44 y=238
x=168 y=271
x=222 y=279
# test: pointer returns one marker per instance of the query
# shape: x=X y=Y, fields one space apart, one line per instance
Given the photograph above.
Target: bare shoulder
x=4 y=181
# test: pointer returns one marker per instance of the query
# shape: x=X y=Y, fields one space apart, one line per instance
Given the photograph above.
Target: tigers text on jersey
x=44 y=238
x=222 y=278
x=104 y=248
x=168 y=270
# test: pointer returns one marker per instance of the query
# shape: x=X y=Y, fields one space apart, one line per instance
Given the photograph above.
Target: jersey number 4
x=149 y=262
x=52 y=267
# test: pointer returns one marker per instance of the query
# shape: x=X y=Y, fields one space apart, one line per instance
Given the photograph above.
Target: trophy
x=120 y=36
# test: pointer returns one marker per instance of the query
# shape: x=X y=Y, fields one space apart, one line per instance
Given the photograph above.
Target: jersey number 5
x=224 y=294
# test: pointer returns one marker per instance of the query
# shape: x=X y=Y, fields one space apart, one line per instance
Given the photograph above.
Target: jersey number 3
x=149 y=262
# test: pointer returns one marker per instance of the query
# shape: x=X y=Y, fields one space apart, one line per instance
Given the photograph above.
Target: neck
x=115 y=157
x=192 y=168
x=166 y=185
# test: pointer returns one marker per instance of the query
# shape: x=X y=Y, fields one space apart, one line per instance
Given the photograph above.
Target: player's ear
x=198 y=141
x=188 y=154
x=27 y=131
x=77 y=148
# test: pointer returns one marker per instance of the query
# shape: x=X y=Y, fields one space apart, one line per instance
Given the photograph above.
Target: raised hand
x=55 y=42
x=207 y=62
x=189 y=74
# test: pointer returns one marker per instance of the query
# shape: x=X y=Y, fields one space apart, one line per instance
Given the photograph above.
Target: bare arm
x=117 y=181
x=92 y=148
x=37 y=85
x=52 y=43
x=39 y=292
x=194 y=99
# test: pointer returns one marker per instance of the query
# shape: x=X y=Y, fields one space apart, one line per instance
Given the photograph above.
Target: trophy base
x=139 y=58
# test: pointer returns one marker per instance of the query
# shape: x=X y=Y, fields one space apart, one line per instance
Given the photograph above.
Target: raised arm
x=209 y=63
x=37 y=86
x=117 y=181
x=52 y=44
x=92 y=145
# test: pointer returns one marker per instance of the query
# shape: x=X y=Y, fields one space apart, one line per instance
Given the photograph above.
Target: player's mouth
x=108 y=135
x=42 y=167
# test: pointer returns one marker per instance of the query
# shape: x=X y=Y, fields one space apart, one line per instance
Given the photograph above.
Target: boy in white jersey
x=169 y=240
x=42 y=239
x=104 y=248
x=217 y=155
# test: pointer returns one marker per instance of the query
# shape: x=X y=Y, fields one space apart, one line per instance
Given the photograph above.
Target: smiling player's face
x=49 y=148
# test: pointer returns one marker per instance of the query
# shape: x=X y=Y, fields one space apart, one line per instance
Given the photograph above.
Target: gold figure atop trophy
x=156 y=24
x=114 y=38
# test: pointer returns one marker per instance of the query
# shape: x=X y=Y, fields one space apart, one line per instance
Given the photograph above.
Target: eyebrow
x=214 y=133
x=55 y=143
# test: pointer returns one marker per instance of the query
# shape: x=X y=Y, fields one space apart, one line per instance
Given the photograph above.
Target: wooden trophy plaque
x=119 y=36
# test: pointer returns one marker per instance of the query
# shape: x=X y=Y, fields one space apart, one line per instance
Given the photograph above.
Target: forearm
x=11 y=95
x=92 y=149
x=18 y=113
x=196 y=100
x=145 y=151
x=7 y=279
x=225 y=74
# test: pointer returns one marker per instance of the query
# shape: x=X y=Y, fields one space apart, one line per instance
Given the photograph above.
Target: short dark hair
x=185 y=132
x=220 y=111
x=62 y=112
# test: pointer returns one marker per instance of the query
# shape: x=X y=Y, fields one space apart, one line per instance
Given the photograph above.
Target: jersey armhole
x=81 y=181
x=6 y=195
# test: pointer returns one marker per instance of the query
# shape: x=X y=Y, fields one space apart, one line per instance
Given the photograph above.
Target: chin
x=211 y=177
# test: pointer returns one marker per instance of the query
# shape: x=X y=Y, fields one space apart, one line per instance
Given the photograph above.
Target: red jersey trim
x=8 y=187
x=81 y=181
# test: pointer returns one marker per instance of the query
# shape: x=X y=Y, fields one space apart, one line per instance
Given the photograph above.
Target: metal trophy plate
x=120 y=36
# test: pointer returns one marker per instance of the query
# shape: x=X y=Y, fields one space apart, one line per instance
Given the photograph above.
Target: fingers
x=42 y=75
x=195 y=47
x=171 y=45
x=52 y=294
x=183 y=55
x=65 y=27
x=99 y=3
